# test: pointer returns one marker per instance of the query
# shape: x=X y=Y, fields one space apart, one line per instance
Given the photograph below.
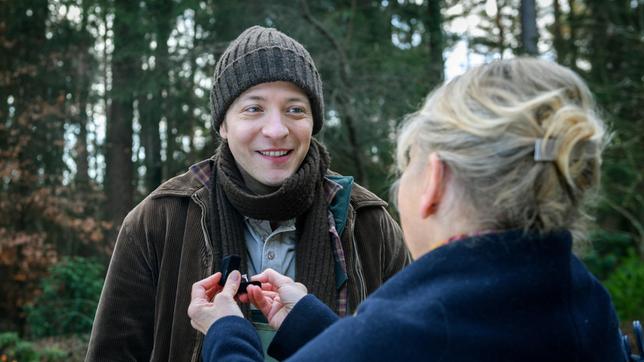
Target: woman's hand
x=277 y=296
x=204 y=310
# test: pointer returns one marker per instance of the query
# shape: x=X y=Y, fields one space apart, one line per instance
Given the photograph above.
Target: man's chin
x=274 y=181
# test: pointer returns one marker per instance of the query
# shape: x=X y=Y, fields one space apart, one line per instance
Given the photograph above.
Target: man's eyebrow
x=260 y=98
x=253 y=98
x=296 y=99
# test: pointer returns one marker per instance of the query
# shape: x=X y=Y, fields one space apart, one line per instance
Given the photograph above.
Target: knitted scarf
x=301 y=196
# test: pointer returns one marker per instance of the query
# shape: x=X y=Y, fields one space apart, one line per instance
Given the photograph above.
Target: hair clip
x=545 y=150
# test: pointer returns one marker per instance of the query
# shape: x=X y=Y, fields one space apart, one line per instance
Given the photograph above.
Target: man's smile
x=274 y=152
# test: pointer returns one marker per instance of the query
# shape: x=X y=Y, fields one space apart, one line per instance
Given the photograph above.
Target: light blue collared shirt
x=268 y=248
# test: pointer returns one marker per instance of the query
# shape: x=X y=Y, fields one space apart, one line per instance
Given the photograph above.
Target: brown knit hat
x=261 y=55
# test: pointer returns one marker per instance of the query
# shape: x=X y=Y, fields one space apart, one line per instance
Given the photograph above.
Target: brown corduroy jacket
x=164 y=246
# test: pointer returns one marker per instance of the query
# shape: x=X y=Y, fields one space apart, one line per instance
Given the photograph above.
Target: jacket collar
x=188 y=183
x=184 y=185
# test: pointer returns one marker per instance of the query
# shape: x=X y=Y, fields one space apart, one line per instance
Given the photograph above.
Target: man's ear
x=433 y=184
x=223 y=132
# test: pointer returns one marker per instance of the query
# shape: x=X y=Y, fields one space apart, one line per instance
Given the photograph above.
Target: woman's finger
x=269 y=294
x=256 y=296
x=268 y=287
x=272 y=277
x=232 y=284
x=201 y=288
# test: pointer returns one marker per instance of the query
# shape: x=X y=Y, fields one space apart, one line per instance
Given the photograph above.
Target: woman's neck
x=445 y=228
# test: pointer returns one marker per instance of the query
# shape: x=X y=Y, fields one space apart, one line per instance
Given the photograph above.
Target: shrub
x=626 y=286
x=608 y=249
x=69 y=298
x=8 y=339
x=13 y=348
x=54 y=354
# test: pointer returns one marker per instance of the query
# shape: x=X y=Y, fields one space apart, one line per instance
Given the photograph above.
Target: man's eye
x=296 y=110
x=252 y=109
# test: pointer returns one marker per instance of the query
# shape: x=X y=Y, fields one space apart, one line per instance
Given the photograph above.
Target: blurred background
x=102 y=100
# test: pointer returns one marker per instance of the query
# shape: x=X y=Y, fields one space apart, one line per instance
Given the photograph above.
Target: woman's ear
x=433 y=184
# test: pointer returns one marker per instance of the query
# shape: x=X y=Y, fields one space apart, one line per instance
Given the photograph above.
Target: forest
x=103 y=100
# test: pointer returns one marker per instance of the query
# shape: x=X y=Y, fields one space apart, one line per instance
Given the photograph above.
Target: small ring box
x=230 y=263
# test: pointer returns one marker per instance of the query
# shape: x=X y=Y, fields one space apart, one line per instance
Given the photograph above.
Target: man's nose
x=275 y=126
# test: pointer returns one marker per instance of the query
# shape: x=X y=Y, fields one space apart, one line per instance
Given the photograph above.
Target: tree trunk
x=155 y=108
x=558 y=41
x=151 y=141
x=572 y=25
x=529 y=32
x=346 y=112
x=120 y=169
x=82 y=92
x=599 y=41
x=499 y=25
x=434 y=28
x=349 y=121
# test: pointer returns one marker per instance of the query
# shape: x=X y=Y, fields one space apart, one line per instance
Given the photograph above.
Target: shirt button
x=270 y=255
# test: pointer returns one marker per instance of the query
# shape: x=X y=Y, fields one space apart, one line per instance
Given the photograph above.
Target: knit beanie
x=261 y=55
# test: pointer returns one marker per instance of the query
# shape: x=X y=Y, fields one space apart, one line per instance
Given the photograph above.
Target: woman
x=496 y=169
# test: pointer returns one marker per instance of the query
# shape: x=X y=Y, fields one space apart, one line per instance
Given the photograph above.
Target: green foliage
x=69 y=298
x=53 y=354
x=13 y=348
x=626 y=286
x=8 y=339
x=606 y=251
x=614 y=260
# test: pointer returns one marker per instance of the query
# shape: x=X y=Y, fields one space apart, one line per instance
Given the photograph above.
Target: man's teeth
x=273 y=153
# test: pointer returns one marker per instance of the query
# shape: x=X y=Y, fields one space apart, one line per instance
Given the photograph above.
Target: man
x=266 y=195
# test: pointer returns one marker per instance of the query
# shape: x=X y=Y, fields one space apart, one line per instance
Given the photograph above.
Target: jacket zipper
x=196 y=353
x=357 y=265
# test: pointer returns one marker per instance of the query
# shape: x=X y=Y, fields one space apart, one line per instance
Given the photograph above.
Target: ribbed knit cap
x=261 y=55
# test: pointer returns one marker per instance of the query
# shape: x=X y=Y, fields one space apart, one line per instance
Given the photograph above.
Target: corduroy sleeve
x=380 y=229
x=124 y=325
x=396 y=253
x=396 y=256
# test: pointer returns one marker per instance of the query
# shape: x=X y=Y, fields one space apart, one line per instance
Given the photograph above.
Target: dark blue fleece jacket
x=497 y=297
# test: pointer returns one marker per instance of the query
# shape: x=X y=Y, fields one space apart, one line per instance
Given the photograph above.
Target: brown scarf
x=301 y=196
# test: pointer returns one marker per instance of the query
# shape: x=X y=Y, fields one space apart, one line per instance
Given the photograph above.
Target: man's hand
x=277 y=296
x=202 y=312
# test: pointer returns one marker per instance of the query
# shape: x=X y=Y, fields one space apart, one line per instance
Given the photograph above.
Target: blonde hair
x=483 y=126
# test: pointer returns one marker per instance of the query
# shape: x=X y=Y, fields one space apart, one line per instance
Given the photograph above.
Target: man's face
x=269 y=129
